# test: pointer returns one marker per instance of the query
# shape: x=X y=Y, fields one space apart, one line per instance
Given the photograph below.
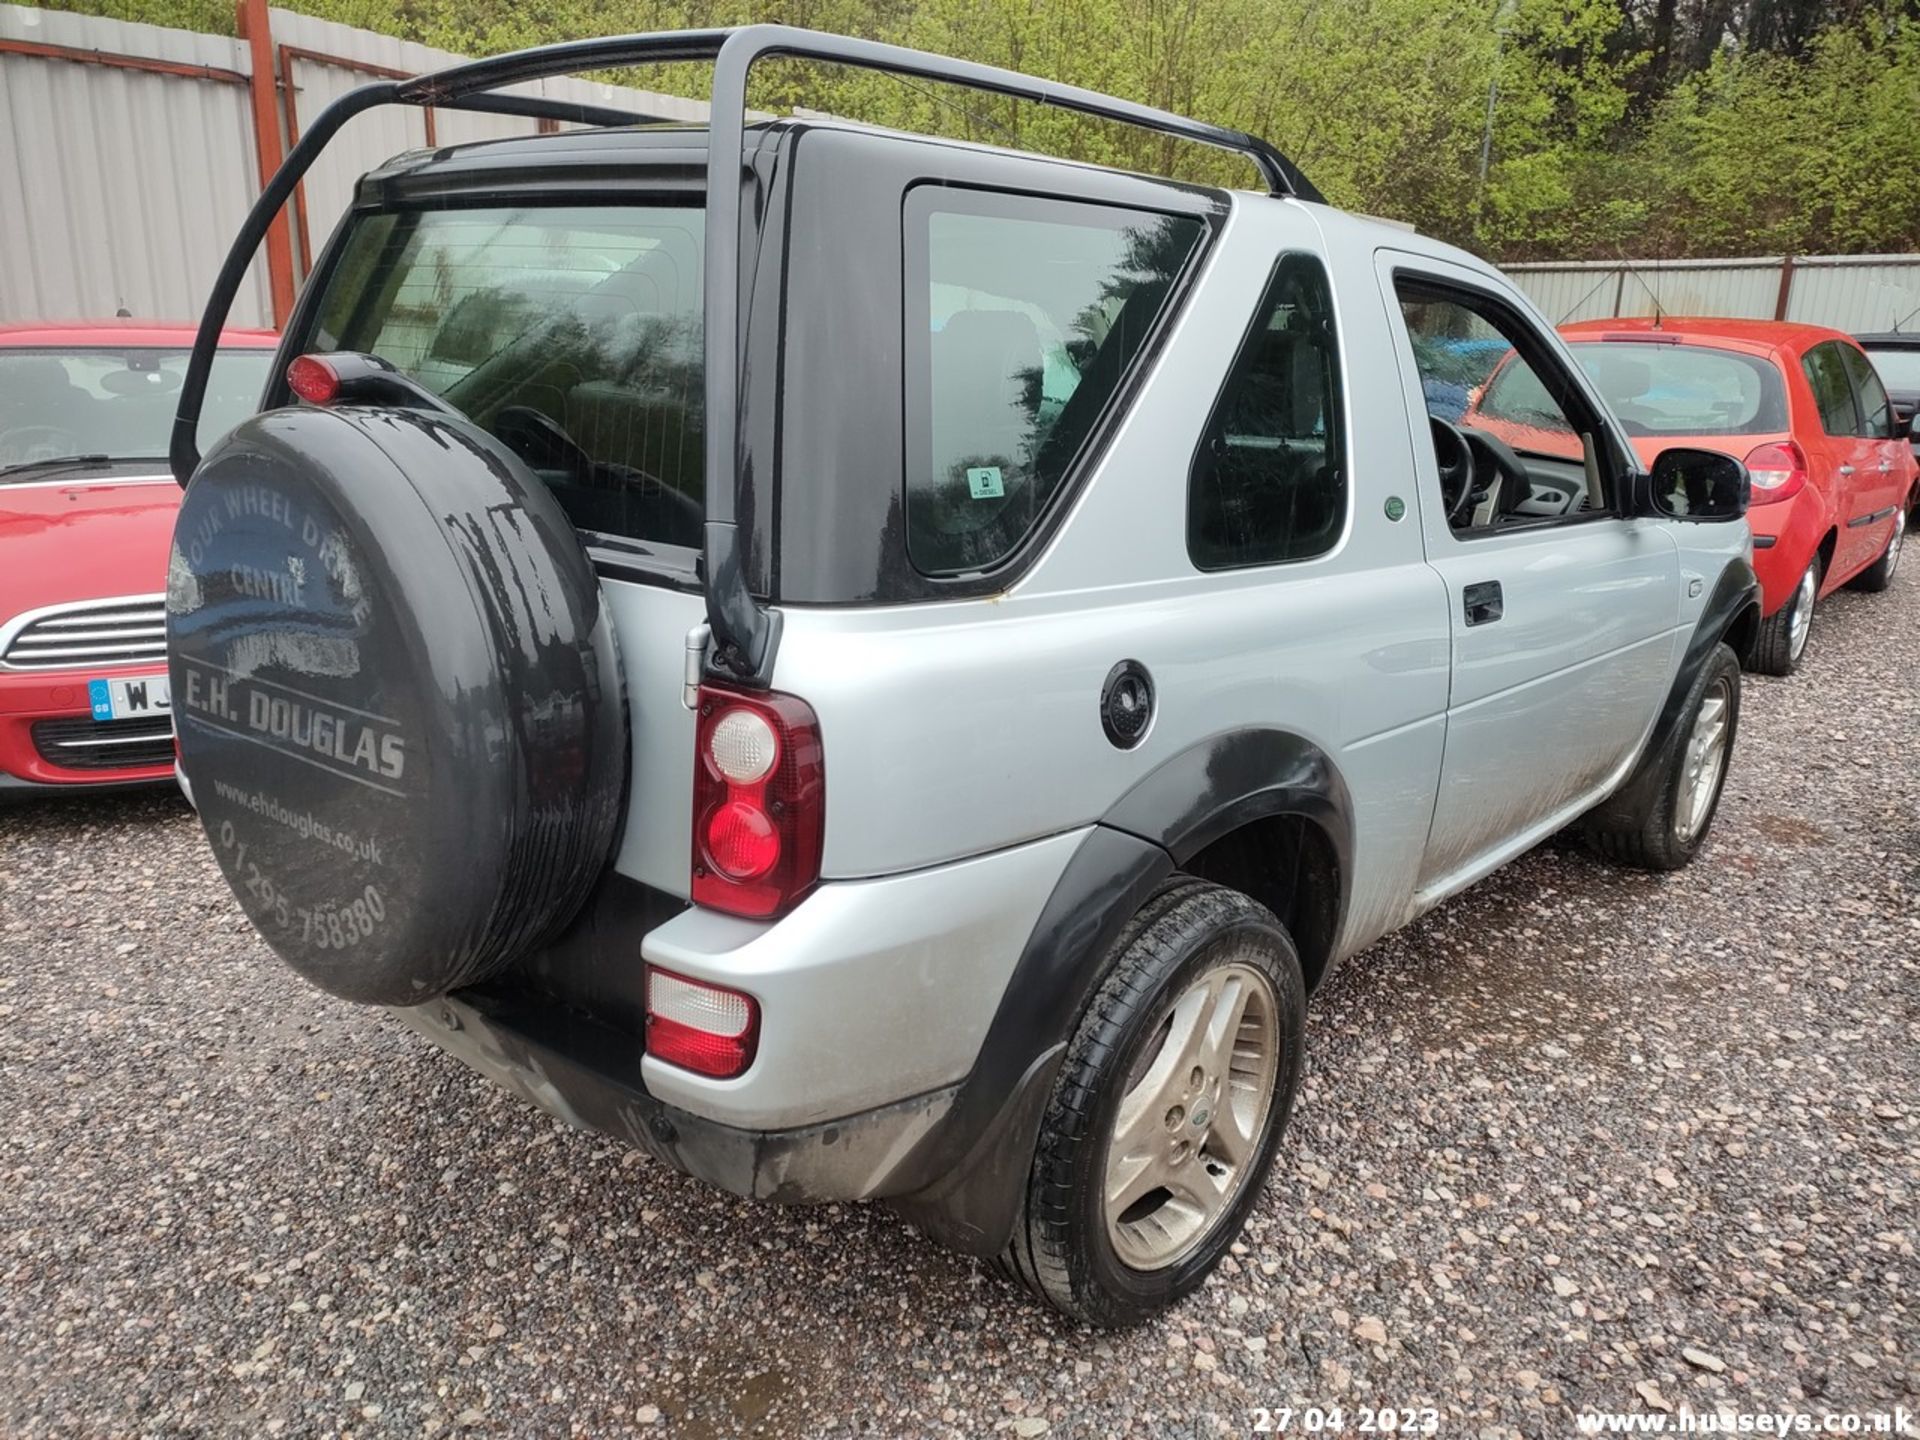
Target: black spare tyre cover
x=397 y=695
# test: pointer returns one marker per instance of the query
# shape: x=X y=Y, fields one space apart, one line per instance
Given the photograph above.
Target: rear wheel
x=1167 y=1111
x=1670 y=829
x=1781 y=639
x=1877 y=576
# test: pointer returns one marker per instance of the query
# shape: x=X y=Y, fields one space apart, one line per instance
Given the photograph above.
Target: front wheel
x=1167 y=1110
x=1670 y=827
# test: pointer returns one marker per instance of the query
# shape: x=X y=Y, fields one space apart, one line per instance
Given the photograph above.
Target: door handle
x=1846 y=469
x=1484 y=604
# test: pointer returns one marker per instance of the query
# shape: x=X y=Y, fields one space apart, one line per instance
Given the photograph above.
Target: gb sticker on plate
x=984 y=483
x=125 y=699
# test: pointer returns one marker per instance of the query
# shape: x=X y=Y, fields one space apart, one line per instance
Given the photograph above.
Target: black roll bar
x=742 y=631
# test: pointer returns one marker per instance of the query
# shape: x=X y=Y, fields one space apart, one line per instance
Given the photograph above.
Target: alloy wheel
x=1706 y=762
x=1801 y=620
x=1188 y=1129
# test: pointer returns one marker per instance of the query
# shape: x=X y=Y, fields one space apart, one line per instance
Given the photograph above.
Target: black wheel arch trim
x=970 y=1173
x=1736 y=591
x=1213 y=788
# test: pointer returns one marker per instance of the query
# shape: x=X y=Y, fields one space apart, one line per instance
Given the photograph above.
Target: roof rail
x=742 y=630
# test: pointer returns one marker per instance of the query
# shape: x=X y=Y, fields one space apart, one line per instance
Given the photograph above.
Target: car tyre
x=1877 y=576
x=1780 y=641
x=1176 y=1085
x=1672 y=827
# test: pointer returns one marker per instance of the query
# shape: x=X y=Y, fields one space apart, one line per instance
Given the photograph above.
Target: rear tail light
x=1779 y=472
x=313 y=380
x=759 y=802
x=708 y=1029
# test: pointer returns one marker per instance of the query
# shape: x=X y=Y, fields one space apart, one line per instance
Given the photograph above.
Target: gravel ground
x=1579 y=1139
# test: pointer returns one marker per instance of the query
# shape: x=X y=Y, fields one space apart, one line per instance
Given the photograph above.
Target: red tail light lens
x=1779 y=472
x=313 y=380
x=759 y=802
x=709 y=1029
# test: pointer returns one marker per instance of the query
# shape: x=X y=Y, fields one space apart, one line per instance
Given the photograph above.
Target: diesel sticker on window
x=984 y=483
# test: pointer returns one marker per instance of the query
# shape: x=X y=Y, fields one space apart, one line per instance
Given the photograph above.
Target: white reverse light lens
x=699 y=1007
x=744 y=747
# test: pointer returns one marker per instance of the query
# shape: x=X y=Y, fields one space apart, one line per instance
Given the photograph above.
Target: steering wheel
x=540 y=440
x=19 y=445
x=1495 y=462
x=1455 y=457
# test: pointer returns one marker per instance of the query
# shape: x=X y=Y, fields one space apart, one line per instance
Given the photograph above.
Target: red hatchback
x=1800 y=404
x=86 y=519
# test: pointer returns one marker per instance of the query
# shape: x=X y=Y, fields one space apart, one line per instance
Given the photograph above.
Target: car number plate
x=130 y=697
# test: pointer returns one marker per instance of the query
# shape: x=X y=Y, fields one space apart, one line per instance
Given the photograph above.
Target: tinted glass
x=1269 y=482
x=572 y=333
x=1869 y=395
x=1026 y=316
x=116 y=402
x=1659 y=389
x=1832 y=389
x=1899 y=368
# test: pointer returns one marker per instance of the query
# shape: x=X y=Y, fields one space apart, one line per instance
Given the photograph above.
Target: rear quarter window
x=1025 y=318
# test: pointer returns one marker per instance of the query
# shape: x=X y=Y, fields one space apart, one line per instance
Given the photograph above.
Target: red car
x=1800 y=404
x=86 y=521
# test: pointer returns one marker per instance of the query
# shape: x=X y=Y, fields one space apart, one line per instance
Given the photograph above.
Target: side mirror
x=1913 y=427
x=1698 y=485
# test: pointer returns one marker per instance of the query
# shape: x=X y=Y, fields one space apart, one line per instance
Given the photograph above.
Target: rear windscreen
x=1899 y=369
x=1661 y=389
x=571 y=333
x=1025 y=316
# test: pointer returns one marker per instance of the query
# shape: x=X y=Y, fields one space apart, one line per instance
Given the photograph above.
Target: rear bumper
x=30 y=697
x=1785 y=536
x=587 y=1075
x=875 y=996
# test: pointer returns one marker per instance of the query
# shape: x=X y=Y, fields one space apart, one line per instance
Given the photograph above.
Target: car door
x=1882 y=474
x=1843 y=462
x=1563 y=621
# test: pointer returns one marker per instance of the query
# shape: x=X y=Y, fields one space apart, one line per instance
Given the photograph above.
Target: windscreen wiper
x=68 y=462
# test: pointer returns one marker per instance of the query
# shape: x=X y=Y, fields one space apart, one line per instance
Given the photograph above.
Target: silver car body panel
x=964 y=753
x=870 y=991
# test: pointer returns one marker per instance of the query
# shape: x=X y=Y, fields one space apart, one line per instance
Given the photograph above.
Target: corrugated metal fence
x=129 y=154
x=1857 y=293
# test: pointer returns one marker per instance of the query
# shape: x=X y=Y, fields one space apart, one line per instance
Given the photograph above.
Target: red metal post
x=255 y=30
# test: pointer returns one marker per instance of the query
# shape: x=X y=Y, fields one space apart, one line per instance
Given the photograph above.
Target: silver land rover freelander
x=874 y=667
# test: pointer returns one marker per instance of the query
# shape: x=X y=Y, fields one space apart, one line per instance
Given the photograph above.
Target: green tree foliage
x=1645 y=127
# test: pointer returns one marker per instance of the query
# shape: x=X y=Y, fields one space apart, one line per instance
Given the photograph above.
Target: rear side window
x=1025 y=317
x=1832 y=390
x=571 y=333
x=1269 y=482
x=1870 y=396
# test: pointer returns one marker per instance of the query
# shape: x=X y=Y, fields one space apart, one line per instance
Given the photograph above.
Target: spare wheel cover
x=397 y=696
